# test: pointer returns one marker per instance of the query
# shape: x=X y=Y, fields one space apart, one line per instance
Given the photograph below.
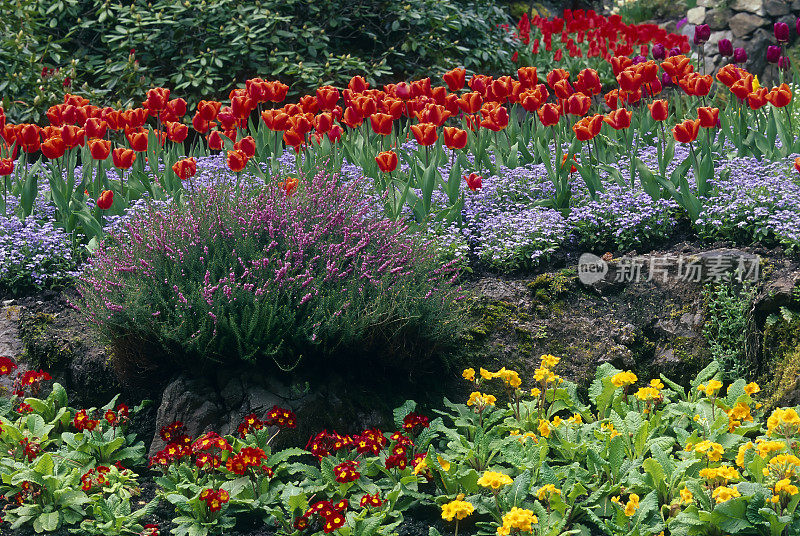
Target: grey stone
x=751 y=6
x=777 y=8
x=796 y=6
x=716 y=37
x=717 y=19
x=744 y=23
x=710 y=4
x=757 y=51
x=696 y=15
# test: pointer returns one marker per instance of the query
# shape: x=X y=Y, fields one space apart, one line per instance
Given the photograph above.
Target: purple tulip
x=659 y=52
x=739 y=55
x=725 y=47
x=783 y=63
x=639 y=59
x=773 y=53
x=797 y=26
x=702 y=33
x=666 y=80
x=674 y=52
x=781 y=30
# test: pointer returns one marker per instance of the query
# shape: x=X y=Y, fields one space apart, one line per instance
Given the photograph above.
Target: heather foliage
x=261 y=274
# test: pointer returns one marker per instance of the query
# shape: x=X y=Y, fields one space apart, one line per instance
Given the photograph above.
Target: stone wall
x=748 y=24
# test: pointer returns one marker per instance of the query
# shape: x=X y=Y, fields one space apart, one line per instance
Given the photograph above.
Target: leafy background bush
x=256 y=275
x=203 y=49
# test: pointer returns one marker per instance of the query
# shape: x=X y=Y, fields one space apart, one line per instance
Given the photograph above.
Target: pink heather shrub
x=258 y=274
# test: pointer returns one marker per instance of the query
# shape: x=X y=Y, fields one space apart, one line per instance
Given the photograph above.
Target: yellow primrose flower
x=544 y=428
x=647 y=393
x=714 y=451
x=632 y=505
x=481 y=400
x=785 y=486
x=686 y=495
x=494 y=480
x=765 y=448
x=775 y=499
x=510 y=377
x=486 y=375
x=724 y=493
x=784 y=421
x=457 y=509
x=656 y=384
x=550 y=361
x=575 y=419
x=535 y=391
x=723 y=472
x=421 y=466
x=610 y=427
x=556 y=421
x=616 y=500
x=518 y=518
x=547 y=491
x=469 y=374
x=752 y=388
x=623 y=379
x=712 y=387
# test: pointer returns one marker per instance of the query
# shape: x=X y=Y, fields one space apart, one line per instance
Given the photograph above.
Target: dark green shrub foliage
x=202 y=49
x=254 y=275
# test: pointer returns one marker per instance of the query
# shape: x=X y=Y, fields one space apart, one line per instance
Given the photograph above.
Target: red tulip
x=709 y=117
x=455 y=78
x=629 y=80
x=470 y=103
x=588 y=82
x=73 y=136
x=208 y=110
x=323 y=122
x=357 y=85
x=696 y=84
x=530 y=101
x=293 y=138
x=659 y=109
x=114 y=120
x=796 y=166
x=137 y=140
x=402 y=91
x=780 y=96
x=327 y=97
x=135 y=118
x=549 y=114
x=6 y=166
x=275 y=120
x=289 y=185
x=214 y=140
x=677 y=67
x=455 y=138
x=572 y=169
x=185 y=168
x=555 y=75
x=687 y=131
x=177 y=132
x=381 y=123
x=105 y=200
x=352 y=118
x=95 y=128
x=528 y=77
x=620 y=63
x=425 y=133
x=387 y=161
x=757 y=99
x=618 y=119
x=588 y=127
x=335 y=133
x=53 y=148
x=495 y=119
x=28 y=136
x=123 y=158
x=578 y=104
x=474 y=181
x=157 y=98
x=237 y=160
x=100 y=149
x=562 y=89
x=176 y=108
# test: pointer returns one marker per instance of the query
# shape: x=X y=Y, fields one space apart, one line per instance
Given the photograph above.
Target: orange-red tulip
x=780 y=96
x=105 y=200
x=549 y=114
x=618 y=119
x=352 y=118
x=100 y=149
x=757 y=99
x=687 y=131
x=208 y=110
x=455 y=138
x=123 y=158
x=327 y=97
x=247 y=145
x=425 y=133
x=237 y=160
x=73 y=136
x=629 y=80
x=185 y=168
x=6 y=166
x=137 y=140
x=474 y=181
x=659 y=109
x=214 y=140
x=555 y=75
x=177 y=132
x=708 y=116
x=95 y=128
x=578 y=104
x=677 y=67
x=470 y=103
x=387 y=161
x=157 y=98
x=562 y=89
x=357 y=85
x=528 y=77
x=796 y=165
x=293 y=138
x=53 y=148
x=588 y=127
x=620 y=63
x=572 y=168
x=455 y=78
x=381 y=123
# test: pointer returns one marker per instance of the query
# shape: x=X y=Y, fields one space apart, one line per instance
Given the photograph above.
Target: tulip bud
x=675 y=51
x=666 y=79
x=659 y=52
x=783 y=63
x=725 y=47
x=702 y=33
x=773 y=53
x=739 y=55
x=781 y=30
